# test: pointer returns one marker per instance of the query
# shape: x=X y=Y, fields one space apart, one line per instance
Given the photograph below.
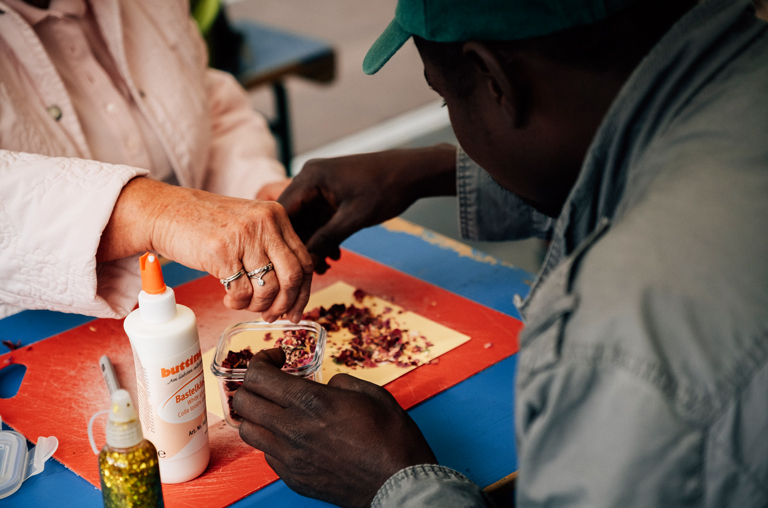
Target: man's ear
x=501 y=80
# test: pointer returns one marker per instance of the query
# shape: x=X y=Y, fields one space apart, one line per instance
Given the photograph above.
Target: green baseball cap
x=489 y=20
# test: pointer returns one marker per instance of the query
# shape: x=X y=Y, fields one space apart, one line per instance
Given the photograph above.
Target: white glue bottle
x=169 y=375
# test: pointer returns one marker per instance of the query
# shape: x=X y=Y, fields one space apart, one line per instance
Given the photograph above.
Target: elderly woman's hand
x=216 y=234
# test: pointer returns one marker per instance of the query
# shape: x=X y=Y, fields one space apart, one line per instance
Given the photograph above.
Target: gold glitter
x=130 y=477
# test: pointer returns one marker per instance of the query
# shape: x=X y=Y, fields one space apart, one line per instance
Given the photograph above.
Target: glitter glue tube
x=169 y=375
x=128 y=464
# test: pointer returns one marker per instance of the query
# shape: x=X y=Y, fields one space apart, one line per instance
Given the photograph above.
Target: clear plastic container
x=259 y=335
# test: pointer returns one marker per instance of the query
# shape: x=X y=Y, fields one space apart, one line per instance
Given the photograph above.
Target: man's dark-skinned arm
x=348 y=442
x=338 y=443
x=330 y=199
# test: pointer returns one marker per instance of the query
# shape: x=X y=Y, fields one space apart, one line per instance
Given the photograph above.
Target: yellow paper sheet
x=443 y=339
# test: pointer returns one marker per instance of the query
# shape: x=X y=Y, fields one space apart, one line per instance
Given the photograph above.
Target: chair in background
x=259 y=55
x=270 y=55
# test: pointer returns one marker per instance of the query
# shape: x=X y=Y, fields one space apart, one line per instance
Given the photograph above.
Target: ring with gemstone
x=232 y=278
x=259 y=273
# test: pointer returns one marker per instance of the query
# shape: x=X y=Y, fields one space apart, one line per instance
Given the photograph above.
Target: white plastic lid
x=17 y=463
x=13 y=462
x=123 y=427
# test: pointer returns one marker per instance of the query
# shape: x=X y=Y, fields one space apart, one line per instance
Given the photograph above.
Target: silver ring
x=232 y=278
x=261 y=272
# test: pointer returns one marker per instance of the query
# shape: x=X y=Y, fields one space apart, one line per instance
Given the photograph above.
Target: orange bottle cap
x=151 y=274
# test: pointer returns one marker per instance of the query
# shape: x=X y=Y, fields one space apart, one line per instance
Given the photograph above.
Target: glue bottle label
x=172 y=401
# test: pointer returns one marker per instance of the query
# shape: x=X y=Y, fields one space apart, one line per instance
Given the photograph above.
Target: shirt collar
x=672 y=73
x=667 y=79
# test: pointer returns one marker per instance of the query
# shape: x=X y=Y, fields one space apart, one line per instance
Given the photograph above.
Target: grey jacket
x=643 y=367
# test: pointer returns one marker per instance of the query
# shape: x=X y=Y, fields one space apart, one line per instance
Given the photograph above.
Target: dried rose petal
x=376 y=339
x=237 y=360
x=299 y=348
x=12 y=345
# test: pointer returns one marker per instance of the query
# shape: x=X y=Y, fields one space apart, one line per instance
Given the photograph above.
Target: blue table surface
x=470 y=426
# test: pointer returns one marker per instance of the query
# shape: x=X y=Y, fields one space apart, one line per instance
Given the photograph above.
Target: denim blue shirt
x=643 y=367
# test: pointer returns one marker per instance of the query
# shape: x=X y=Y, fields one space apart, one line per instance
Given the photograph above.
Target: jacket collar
x=652 y=98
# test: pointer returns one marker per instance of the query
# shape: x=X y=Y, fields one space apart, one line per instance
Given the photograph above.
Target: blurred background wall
x=322 y=114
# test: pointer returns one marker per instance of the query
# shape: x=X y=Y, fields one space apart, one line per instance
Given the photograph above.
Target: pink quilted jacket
x=55 y=202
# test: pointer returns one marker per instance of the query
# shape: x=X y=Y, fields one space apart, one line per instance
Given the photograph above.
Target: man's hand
x=272 y=191
x=338 y=443
x=216 y=234
x=330 y=199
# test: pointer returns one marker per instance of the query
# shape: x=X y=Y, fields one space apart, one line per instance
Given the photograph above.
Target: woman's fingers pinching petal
x=297 y=311
x=293 y=268
x=307 y=265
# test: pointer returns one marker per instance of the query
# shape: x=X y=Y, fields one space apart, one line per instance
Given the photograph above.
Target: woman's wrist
x=130 y=227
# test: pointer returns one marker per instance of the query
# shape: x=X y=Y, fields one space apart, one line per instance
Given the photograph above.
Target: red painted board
x=62 y=387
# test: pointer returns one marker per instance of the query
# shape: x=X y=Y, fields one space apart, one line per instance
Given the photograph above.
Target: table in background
x=469 y=426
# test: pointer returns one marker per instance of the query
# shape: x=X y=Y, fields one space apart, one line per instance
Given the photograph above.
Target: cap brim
x=385 y=46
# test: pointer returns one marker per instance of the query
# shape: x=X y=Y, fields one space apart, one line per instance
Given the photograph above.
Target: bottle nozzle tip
x=151 y=274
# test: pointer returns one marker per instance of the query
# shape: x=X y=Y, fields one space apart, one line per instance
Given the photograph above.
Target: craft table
x=469 y=426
